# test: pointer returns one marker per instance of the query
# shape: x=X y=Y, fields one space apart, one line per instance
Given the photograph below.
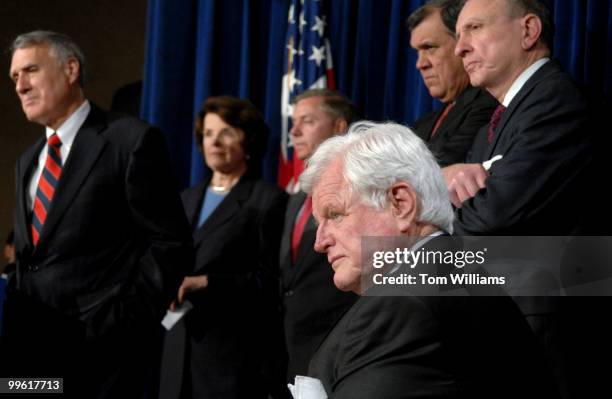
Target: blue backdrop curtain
x=196 y=49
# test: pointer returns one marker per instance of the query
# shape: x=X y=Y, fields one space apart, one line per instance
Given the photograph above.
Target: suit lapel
x=455 y=115
x=540 y=74
x=294 y=206
x=192 y=203
x=307 y=241
x=427 y=126
x=492 y=148
x=227 y=209
x=27 y=163
x=85 y=151
x=449 y=124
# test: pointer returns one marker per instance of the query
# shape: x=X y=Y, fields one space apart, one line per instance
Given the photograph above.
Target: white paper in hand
x=307 y=388
x=173 y=316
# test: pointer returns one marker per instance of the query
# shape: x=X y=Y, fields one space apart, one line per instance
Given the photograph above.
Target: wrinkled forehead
x=331 y=183
x=482 y=10
x=33 y=53
x=36 y=48
x=315 y=105
x=25 y=57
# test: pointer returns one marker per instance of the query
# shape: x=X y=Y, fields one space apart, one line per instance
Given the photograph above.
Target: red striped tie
x=46 y=186
x=298 y=228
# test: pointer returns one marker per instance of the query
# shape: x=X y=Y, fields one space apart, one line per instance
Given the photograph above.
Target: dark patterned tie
x=46 y=186
x=497 y=114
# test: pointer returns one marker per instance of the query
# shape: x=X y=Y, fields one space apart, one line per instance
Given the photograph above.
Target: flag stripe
x=307 y=61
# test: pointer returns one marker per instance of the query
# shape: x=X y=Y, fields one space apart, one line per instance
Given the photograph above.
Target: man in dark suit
x=377 y=183
x=311 y=303
x=449 y=131
x=101 y=239
x=529 y=165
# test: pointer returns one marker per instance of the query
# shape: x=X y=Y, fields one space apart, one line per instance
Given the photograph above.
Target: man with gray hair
x=450 y=130
x=381 y=181
x=311 y=303
x=532 y=167
x=532 y=162
x=101 y=239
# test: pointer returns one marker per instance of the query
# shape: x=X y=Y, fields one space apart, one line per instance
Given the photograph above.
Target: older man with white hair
x=380 y=180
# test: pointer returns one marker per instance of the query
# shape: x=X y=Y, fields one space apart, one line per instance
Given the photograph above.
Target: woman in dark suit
x=237 y=222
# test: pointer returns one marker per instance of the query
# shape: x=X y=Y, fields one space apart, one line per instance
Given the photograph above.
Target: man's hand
x=463 y=181
x=189 y=284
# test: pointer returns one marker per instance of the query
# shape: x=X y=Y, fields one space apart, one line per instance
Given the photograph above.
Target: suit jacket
x=391 y=344
x=110 y=257
x=450 y=144
x=234 y=329
x=543 y=137
x=311 y=302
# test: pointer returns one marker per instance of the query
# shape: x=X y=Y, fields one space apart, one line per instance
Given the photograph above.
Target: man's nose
x=462 y=46
x=323 y=239
x=295 y=130
x=422 y=61
x=22 y=85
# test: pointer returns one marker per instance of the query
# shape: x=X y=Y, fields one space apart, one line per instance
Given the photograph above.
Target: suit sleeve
x=543 y=166
x=391 y=349
x=156 y=208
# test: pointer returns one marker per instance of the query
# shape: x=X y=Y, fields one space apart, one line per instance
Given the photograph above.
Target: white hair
x=62 y=47
x=377 y=155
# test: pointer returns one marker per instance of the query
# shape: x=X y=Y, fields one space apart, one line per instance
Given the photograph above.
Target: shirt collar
x=522 y=79
x=68 y=130
x=418 y=245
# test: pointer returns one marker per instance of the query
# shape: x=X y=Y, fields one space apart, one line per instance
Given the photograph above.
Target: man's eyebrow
x=314 y=218
x=472 y=20
x=426 y=44
x=22 y=68
x=324 y=209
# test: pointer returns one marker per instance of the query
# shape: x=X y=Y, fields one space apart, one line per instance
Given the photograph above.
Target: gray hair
x=449 y=11
x=334 y=104
x=61 y=46
x=377 y=155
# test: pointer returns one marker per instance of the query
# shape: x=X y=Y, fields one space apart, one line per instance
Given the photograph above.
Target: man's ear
x=340 y=125
x=532 y=30
x=72 y=68
x=404 y=205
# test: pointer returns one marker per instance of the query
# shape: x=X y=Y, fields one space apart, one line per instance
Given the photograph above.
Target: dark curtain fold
x=196 y=49
x=169 y=75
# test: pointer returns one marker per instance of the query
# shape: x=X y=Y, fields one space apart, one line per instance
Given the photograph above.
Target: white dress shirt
x=522 y=79
x=66 y=132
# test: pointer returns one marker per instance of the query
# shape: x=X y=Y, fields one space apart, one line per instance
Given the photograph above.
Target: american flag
x=308 y=65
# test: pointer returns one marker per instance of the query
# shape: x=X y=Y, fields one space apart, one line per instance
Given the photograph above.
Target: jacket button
x=289 y=293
